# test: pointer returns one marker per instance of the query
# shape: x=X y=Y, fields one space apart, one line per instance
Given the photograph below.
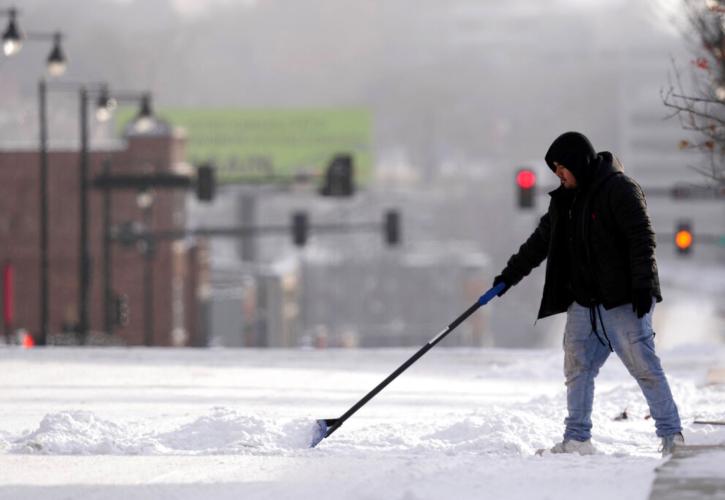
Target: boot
x=574 y=446
x=670 y=442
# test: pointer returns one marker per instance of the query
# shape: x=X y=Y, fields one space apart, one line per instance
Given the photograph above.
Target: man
x=601 y=269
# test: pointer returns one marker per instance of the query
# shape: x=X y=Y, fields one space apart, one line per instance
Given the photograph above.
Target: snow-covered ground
x=154 y=423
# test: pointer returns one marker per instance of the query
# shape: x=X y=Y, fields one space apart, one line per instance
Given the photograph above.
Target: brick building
x=171 y=304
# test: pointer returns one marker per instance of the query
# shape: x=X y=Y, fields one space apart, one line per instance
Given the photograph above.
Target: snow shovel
x=327 y=426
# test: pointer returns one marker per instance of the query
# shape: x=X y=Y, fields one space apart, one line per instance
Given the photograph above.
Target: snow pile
x=513 y=429
x=4 y=440
x=496 y=430
x=76 y=432
x=222 y=432
x=226 y=431
x=499 y=432
x=493 y=431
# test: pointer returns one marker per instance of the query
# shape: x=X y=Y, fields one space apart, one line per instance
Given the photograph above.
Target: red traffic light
x=526 y=179
x=526 y=187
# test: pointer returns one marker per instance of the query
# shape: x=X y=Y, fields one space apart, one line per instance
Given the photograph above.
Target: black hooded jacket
x=615 y=238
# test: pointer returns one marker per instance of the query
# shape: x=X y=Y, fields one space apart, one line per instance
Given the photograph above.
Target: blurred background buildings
x=450 y=99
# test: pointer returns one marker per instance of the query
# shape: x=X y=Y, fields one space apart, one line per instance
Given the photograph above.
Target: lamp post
x=84 y=264
x=43 y=195
x=43 y=88
x=105 y=105
x=12 y=41
x=108 y=321
x=145 y=201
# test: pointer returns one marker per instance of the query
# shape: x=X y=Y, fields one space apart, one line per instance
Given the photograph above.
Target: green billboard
x=245 y=144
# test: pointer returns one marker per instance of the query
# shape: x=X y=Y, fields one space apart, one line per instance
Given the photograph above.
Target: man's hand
x=501 y=279
x=641 y=301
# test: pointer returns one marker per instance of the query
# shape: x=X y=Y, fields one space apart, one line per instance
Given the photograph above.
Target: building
x=154 y=289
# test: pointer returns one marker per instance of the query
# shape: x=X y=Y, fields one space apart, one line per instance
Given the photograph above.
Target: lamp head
x=105 y=105
x=12 y=38
x=145 y=117
x=56 y=58
x=145 y=198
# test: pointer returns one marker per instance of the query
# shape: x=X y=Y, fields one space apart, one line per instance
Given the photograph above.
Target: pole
x=107 y=256
x=8 y=300
x=83 y=263
x=148 y=281
x=43 y=195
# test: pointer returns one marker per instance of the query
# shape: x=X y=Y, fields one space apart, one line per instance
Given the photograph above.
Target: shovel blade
x=320 y=431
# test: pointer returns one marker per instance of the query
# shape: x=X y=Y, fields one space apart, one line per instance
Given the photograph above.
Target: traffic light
x=684 y=238
x=392 y=227
x=339 y=178
x=205 y=182
x=300 y=226
x=127 y=233
x=526 y=186
x=121 y=314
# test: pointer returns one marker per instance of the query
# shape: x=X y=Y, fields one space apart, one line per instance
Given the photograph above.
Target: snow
x=706 y=464
x=225 y=423
x=222 y=431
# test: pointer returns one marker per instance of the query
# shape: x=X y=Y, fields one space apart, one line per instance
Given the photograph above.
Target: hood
x=604 y=165
x=574 y=151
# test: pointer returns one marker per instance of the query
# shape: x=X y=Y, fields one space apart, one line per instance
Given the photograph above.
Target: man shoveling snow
x=600 y=249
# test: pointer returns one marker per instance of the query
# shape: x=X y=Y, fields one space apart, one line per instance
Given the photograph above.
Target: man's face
x=564 y=174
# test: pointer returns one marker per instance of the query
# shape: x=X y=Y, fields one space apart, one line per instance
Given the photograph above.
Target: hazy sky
x=444 y=75
x=663 y=9
x=198 y=7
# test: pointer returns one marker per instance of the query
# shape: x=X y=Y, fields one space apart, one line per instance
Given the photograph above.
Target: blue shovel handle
x=486 y=297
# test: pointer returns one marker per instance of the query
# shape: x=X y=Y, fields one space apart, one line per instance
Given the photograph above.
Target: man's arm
x=630 y=214
x=531 y=254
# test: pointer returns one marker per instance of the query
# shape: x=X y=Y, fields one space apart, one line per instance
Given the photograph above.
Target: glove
x=641 y=301
x=501 y=279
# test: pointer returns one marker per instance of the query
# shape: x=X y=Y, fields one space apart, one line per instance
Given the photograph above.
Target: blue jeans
x=632 y=339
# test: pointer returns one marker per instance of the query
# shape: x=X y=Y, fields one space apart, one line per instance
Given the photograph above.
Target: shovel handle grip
x=486 y=297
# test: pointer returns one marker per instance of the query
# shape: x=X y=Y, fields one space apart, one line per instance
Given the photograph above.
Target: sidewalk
x=693 y=472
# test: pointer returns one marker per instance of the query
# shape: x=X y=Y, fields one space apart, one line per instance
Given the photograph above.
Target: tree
x=701 y=106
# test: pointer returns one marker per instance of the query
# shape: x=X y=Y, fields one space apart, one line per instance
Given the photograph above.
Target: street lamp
x=12 y=43
x=145 y=199
x=105 y=105
x=144 y=120
x=56 y=58
x=104 y=100
x=13 y=40
x=43 y=87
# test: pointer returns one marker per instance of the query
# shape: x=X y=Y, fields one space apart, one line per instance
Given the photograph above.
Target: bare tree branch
x=701 y=108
